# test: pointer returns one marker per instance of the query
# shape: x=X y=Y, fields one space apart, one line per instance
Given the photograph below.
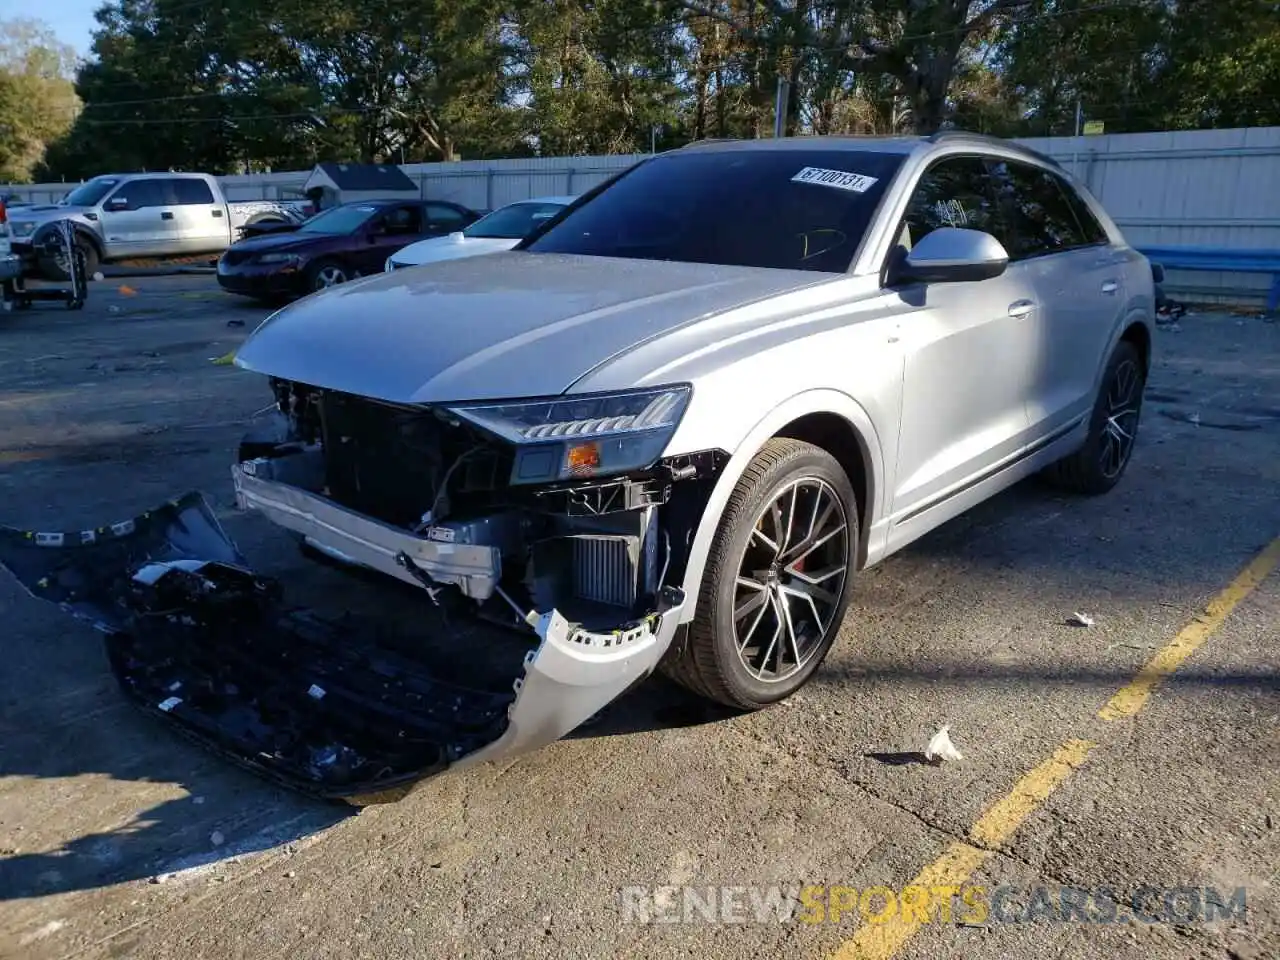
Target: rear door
x=968 y=350
x=201 y=219
x=397 y=226
x=1079 y=281
x=443 y=219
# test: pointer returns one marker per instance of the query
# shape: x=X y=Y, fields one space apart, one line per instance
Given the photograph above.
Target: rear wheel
x=1113 y=428
x=777 y=581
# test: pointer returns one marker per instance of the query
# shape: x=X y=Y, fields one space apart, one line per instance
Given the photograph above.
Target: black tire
x=317 y=272
x=1101 y=461
x=54 y=268
x=709 y=663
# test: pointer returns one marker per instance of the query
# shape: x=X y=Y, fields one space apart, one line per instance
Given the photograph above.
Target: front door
x=968 y=349
x=133 y=221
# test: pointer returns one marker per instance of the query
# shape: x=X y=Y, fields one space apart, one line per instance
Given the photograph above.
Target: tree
x=917 y=45
x=38 y=102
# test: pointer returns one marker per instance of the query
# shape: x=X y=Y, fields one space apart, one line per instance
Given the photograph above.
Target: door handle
x=216 y=213
x=1020 y=308
x=166 y=215
x=1110 y=286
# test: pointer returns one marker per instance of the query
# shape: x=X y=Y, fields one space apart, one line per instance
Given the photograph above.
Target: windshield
x=514 y=222
x=87 y=194
x=787 y=208
x=339 y=220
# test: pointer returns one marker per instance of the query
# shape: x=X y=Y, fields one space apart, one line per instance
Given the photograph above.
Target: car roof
x=904 y=145
x=564 y=201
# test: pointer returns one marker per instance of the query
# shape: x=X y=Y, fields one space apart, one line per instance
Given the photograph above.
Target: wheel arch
x=84 y=233
x=1138 y=334
x=826 y=418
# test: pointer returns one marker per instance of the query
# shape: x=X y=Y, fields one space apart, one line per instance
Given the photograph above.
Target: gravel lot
x=117 y=838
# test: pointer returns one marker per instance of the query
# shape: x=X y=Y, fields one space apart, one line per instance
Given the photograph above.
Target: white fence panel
x=1185 y=188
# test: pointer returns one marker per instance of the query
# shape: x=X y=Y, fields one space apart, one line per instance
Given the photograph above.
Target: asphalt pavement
x=1132 y=763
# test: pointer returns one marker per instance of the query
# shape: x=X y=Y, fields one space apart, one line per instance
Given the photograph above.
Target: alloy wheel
x=329 y=276
x=790 y=579
x=1123 y=406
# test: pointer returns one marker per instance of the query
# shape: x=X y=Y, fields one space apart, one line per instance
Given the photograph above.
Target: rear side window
x=790 y=209
x=444 y=216
x=1093 y=231
x=954 y=192
x=192 y=192
x=1039 y=215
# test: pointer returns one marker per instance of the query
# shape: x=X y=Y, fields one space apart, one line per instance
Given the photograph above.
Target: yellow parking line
x=880 y=941
x=1004 y=817
x=958 y=862
x=1130 y=698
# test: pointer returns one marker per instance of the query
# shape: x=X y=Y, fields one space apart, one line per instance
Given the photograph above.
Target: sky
x=71 y=20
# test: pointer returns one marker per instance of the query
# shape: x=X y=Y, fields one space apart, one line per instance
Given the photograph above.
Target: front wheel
x=1113 y=428
x=326 y=273
x=777 y=581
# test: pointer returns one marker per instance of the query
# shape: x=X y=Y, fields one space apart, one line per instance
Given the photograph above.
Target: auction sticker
x=841 y=179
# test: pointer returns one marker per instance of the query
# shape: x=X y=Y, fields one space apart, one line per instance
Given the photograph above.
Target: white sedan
x=499 y=231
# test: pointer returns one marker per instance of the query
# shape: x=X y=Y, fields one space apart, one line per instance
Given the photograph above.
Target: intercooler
x=606 y=561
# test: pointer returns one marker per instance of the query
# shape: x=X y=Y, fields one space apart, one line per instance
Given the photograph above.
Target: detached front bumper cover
x=334 y=707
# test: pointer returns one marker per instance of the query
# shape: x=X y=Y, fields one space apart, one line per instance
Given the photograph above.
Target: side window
x=1039 y=215
x=136 y=195
x=1089 y=225
x=444 y=217
x=192 y=192
x=955 y=192
x=403 y=220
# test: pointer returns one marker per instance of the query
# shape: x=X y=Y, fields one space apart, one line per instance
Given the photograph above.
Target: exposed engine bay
x=446 y=507
x=575 y=584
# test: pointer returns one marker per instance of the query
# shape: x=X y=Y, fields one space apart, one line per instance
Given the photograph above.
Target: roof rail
x=953 y=134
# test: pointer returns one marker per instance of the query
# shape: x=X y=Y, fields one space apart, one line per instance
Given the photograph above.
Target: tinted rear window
x=787 y=209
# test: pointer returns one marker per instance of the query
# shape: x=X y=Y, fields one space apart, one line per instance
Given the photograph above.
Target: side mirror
x=954 y=255
x=118 y=203
x=1157 y=273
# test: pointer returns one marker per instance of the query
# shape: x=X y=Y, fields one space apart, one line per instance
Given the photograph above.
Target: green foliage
x=257 y=84
x=37 y=98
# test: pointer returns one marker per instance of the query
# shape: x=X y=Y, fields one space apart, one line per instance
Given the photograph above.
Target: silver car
x=670 y=428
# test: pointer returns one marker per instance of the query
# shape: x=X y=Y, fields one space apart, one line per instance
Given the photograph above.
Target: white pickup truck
x=10 y=263
x=142 y=215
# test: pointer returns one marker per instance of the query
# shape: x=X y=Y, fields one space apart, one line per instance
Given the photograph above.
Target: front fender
x=820 y=400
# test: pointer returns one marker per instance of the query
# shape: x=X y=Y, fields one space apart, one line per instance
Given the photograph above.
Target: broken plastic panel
x=333 y=707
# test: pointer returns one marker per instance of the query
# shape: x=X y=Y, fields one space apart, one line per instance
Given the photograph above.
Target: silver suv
x=667 y=430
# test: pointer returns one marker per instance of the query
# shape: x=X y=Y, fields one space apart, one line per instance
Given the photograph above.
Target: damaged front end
x=536 y=530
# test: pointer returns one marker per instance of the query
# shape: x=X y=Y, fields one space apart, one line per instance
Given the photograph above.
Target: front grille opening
x=391 y=462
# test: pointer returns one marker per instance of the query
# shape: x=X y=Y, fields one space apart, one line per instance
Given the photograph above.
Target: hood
x=450 y=248
x=42 y=212
x=513 y=324
x=281 y=242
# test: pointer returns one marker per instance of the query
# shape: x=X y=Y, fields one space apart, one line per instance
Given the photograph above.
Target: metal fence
x=1194 y=188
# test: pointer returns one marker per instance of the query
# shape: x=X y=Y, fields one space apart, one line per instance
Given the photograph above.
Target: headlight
x=573 y=437
x=23 y=229
x=278 y=258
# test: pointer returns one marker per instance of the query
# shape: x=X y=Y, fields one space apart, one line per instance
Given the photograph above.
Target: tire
x=710 y=663
x=328 y=268
x=1101 y=461
x=55 y=268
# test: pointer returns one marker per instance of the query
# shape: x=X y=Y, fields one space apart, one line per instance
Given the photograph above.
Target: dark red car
x=334 y=246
